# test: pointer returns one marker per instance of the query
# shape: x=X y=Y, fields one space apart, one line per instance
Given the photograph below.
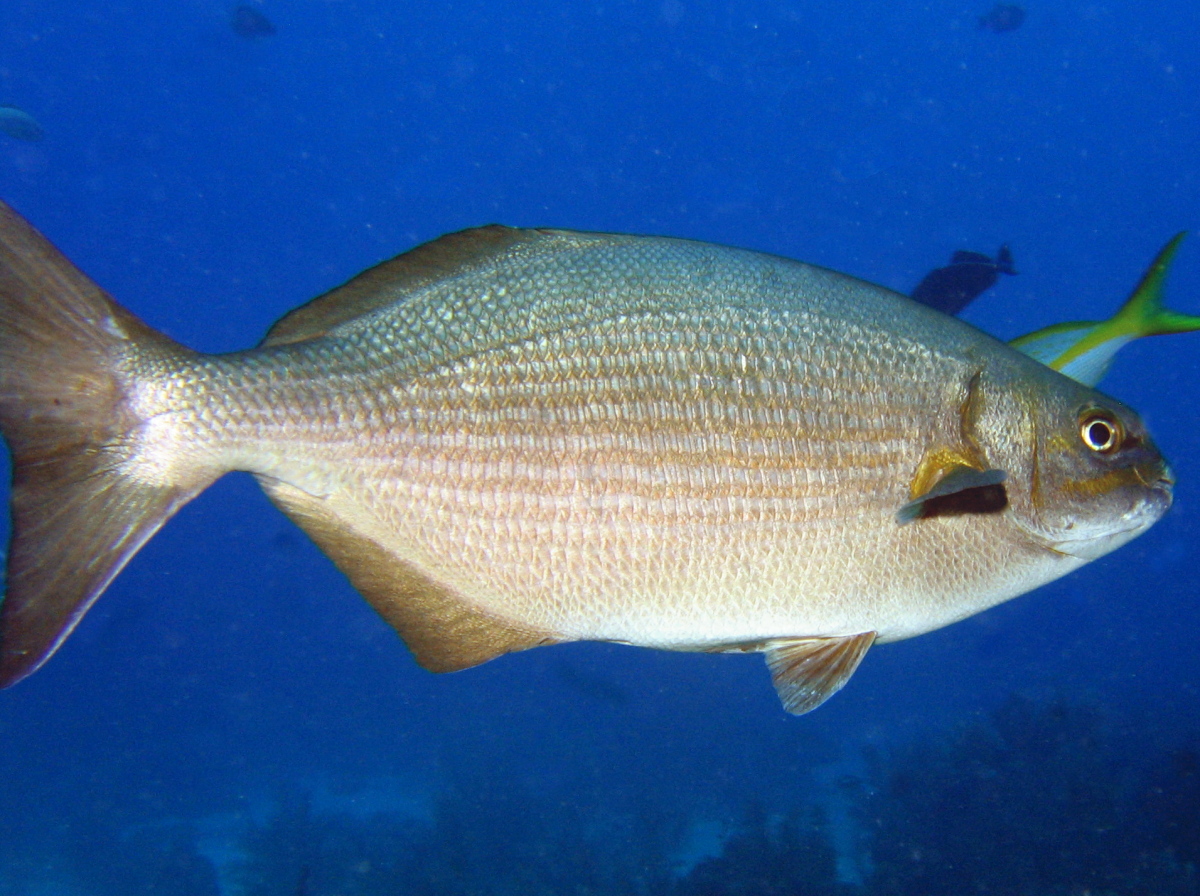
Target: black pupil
x=1100 y=435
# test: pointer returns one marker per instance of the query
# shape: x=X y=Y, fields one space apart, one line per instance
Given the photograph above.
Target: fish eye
x=1101 y=431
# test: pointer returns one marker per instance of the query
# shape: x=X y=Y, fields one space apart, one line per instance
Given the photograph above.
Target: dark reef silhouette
x=1172 y=804
x=1036 y=798
x=769 y=856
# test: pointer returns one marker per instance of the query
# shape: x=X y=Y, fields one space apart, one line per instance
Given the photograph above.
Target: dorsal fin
x=391 y=280
x=808 y=671
x=444 y=632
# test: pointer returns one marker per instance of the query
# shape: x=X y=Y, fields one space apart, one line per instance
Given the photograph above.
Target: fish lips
x=1148 y=506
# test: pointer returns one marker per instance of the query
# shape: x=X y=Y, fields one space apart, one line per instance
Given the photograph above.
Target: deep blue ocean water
x=231 y=717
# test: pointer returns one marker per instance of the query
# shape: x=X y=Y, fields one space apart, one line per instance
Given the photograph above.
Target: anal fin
x=444 y=632
x=808 y=671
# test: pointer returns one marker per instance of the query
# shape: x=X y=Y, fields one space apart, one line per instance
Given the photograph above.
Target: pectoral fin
x=808 y=671
x=958 y=489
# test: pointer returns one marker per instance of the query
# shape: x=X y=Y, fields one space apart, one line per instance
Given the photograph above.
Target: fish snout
x=1156 y=489
x=1162 y=489
x=1155 y=474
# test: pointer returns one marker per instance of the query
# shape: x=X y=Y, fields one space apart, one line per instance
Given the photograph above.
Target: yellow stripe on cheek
x=1103 y=483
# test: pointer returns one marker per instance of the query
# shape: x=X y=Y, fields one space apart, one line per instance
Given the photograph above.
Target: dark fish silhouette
x=1003 y=17
x=954 y=287
x=249 y=22
x=20 y=125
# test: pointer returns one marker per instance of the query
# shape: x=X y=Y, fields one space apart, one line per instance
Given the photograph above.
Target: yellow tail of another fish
x=1083 y=350
x=79 y=512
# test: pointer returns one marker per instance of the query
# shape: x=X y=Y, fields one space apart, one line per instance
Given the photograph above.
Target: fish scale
x=509 y=438
x=675 y=490
x=702 y=499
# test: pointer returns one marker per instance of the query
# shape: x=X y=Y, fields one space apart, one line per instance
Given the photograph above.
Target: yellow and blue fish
x=1083 y=350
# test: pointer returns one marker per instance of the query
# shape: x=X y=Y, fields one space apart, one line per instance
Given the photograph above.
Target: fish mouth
x=1155 y=475
x=1154 y=501
x=1160 y=481
x=1162 y=494
x=1158 y=500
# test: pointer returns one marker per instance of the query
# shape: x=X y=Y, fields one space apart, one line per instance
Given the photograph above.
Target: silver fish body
x=508 y=438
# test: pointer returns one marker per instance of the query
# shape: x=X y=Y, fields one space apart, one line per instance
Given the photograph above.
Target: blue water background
x=211 y=183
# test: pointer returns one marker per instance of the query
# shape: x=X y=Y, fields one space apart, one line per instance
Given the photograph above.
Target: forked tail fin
x=79 y=511
x=1083 y=350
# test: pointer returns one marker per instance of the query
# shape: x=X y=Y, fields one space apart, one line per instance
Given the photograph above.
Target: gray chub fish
x=507 y=438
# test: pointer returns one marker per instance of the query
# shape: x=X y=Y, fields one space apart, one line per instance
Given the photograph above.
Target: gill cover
x=954 y=480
